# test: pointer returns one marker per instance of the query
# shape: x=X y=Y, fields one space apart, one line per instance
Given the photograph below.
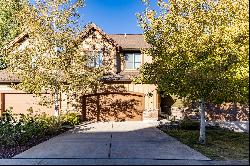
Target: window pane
x=129 y=65
x=99 y=60
x=92 y=63
x=129 y=57
x=137 y=65
x=138 y=57
x=96 y=61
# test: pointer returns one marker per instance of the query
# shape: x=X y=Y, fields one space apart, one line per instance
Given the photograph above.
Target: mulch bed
x=9 y=152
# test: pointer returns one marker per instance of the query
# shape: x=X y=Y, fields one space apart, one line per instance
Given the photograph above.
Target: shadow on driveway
x=113 y=140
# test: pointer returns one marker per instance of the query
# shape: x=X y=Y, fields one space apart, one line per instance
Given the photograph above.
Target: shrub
x=71 y=119
x=9 y=129
x=187 y=124
x=31 y=127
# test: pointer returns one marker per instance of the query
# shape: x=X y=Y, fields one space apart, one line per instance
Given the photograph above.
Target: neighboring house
x=122 y=100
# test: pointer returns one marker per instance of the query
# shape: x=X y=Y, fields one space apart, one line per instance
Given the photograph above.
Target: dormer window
x=97 y=62
x=133 y=61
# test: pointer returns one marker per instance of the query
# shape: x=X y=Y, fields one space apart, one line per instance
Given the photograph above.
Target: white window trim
x=133 y=61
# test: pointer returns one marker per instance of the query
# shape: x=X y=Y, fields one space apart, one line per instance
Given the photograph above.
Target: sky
x=113 y=16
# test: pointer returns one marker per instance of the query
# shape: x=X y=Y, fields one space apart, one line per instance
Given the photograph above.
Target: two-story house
x=123 y=100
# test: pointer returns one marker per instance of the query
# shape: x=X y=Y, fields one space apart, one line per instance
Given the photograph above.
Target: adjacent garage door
x=113 y=107
x=21 y=102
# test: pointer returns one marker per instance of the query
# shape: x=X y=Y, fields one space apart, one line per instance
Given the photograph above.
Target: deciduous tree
x=9 y=26
x=52 y=60
x=200 y=50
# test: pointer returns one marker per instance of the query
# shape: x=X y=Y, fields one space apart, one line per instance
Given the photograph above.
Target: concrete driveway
x=113 y=140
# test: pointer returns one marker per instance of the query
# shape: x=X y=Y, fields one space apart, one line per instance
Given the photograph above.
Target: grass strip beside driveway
x=222 y=144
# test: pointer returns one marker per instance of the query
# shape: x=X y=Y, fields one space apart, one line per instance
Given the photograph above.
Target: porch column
x=84 y=112
x=98 y=107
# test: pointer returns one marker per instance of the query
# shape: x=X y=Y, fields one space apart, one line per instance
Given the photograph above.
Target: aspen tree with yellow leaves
x=50 y=60
x=200 y=50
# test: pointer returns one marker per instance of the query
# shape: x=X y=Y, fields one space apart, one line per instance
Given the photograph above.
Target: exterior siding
x=151 y=102
x=64 y=105
x=109 y=57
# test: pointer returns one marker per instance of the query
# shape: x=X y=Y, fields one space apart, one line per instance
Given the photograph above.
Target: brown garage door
x=21 y=102
x=113 y=107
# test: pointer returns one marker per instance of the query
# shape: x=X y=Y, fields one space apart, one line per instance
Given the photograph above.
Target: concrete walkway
x=113 y=140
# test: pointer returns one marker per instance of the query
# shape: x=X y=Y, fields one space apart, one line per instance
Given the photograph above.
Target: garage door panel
x=115 y=107
x=22 y=102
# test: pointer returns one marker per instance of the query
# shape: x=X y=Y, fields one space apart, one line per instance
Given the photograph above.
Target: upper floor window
x=97 y=61
x=133 y=60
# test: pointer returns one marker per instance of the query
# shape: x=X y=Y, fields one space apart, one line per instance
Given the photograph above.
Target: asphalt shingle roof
x=129 y=41
x=6 y=76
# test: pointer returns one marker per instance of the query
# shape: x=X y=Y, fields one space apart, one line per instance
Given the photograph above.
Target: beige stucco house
x=123 y=101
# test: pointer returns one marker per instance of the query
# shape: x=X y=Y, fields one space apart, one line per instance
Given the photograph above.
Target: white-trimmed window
x=133 y=61
x=97 y=62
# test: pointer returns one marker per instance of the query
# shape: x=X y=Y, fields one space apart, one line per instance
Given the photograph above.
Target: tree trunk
x=56 y=104
x=202 y=138
x=235 y=107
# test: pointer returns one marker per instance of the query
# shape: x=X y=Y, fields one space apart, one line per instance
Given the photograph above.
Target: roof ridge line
x=126 y=34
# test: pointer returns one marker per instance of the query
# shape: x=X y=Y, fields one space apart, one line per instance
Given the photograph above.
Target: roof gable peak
x=89 y=29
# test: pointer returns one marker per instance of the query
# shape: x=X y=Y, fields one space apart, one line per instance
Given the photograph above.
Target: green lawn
x=221 y=144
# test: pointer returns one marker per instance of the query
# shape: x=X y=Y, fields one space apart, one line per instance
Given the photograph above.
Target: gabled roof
x=125 y=41
x=89 y=28
x=130 y=41
x=120 y=41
